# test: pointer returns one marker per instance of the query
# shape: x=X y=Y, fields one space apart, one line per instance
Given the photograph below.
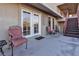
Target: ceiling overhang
x=70 y=8
x=44 y=9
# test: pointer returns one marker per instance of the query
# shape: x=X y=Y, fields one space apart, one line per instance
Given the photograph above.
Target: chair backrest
x=15 y=31
x=49 y=29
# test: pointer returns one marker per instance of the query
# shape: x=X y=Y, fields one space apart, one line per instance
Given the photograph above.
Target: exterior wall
x=10 y=14
x=61 y=25
x=8 y=17
x=53 y=7
x=44 y=23
x=44 y=17
x=57 y=24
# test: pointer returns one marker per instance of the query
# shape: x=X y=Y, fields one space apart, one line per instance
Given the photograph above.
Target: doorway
x=30 y=23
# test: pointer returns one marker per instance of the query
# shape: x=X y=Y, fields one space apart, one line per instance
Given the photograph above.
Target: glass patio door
x=50 y=22
x=35 y=24
x=30 y=24
x=26 y=23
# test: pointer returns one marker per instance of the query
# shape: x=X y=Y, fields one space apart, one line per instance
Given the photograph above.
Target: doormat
x=39 y=38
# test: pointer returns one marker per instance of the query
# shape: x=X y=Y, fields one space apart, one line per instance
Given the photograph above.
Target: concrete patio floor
x=51 y=45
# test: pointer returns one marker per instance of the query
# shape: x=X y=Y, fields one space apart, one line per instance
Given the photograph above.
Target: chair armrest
x=2 y=43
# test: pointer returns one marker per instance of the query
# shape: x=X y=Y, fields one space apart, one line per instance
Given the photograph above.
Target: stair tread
x=72 y=28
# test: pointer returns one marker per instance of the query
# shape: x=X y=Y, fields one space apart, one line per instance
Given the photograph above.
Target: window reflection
x=36 y=22
x=26 y=23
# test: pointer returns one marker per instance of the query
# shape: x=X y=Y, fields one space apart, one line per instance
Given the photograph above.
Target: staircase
x=72 y=28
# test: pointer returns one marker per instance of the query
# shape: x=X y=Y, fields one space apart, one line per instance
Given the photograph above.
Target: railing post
x=78 y=17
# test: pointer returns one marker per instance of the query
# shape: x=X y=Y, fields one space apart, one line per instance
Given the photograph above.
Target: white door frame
x=31 y=18
x=22 y=21
x=39 y=23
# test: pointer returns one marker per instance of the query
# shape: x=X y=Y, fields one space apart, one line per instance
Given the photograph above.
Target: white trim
x=39 y=23
x=51 y=24
x=22 y=20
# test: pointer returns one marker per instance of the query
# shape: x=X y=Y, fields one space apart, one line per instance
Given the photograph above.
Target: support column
x=78 y=15
x=65 y=25
x=66 y=19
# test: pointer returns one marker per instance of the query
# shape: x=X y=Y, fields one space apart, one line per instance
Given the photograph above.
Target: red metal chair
x=49 y=31
x=15 y=37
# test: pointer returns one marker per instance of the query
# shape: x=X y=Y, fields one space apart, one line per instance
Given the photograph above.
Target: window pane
x=35 y=28
x=26 y=23
x=36 y=23
x=49 y=21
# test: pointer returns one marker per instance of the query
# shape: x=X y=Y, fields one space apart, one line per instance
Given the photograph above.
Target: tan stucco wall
x=44 y=23
x=61 y=27
x=10 y=14
x=8 y=17
x=53 y=7
x=43 y=17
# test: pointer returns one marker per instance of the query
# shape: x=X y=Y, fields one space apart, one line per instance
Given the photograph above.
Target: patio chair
x=48 y=30
x=15 y=37
x=2 y=43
